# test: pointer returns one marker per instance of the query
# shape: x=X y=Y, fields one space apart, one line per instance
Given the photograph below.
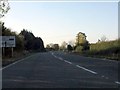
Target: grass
x=17 y=56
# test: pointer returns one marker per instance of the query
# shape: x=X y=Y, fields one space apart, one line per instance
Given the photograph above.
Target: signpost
x=7 y=41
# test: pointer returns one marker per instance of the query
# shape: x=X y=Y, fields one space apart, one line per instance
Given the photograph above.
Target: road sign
x=7 y=41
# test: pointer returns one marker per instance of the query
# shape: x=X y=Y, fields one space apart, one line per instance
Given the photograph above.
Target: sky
x=56 y=22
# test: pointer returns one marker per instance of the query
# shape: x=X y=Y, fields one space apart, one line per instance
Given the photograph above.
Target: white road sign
x=7 y=41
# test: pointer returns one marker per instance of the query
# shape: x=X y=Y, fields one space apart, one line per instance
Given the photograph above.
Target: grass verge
x=6 y=60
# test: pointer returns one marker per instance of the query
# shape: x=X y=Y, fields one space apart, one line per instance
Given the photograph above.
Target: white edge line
x=58 y=1
x=117 y=82
x=86 y=69
x=14 y=63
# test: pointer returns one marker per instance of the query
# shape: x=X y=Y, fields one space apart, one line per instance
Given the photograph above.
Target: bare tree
x=4 y=7
x=63 y=45
x=103 y=38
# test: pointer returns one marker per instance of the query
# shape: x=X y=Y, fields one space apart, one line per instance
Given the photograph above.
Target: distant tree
x=71 y=42
x=38 y=44
x=51 y=45
x=79 y=49
x=63 y=45
x=103 y=38
x=82 y=41
x=28 y=39
x=86 y=46
x=56 y=46
x=19 y=42
x=31 y=42
x=48 y=46
x=69 y=48
x=99 y=40
x=4 y=7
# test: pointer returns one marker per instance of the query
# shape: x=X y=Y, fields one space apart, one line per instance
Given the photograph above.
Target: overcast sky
x=56 y=22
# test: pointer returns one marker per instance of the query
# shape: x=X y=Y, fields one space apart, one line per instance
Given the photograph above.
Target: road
x=60 y=70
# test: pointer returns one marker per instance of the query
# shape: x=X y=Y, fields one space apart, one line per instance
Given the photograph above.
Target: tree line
x=25 y=40
x=81 y=44
x=102 y=48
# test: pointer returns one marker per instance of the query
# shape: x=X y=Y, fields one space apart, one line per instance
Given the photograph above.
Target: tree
x=31 y=42
x=48 y=46
x=86 y=46
x=63 y=45
x=82 y=41
x=79 y=49
x=51 y=45
x=69 y=48
x=28 y=39
x=4 y=7
x=56 y=46
x=19 y=39
x=71 y=42
x=103 y=38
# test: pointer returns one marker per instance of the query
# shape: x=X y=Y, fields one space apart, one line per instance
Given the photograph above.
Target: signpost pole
x=12 y=51
x=3 y=51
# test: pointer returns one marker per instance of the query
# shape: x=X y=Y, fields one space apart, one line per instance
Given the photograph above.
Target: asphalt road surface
x=60 y=70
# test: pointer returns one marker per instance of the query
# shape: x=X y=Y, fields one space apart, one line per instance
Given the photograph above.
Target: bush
x=79 y=49
x=108 y=49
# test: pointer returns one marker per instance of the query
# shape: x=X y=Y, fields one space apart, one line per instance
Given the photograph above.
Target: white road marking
x=60 y=58
x=15 y=63
x=102 y=76
x=76 y=65
x=57 y=57
x=106 y=78
x=54 y=55
x=117 y=82
x=86 y=69
x=67 y=62
x=83 y=67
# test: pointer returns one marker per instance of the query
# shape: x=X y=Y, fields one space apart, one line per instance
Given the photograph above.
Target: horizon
x=56 y=22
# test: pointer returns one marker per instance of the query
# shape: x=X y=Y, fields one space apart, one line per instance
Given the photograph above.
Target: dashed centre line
x=117 y=82
x=67 y=62
x=60 y=58
x=82 y=67
x=86 y=69
x=76 y=65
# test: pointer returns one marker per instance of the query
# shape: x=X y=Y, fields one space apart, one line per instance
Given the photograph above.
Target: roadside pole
x=3 y=51
x=12 y=51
